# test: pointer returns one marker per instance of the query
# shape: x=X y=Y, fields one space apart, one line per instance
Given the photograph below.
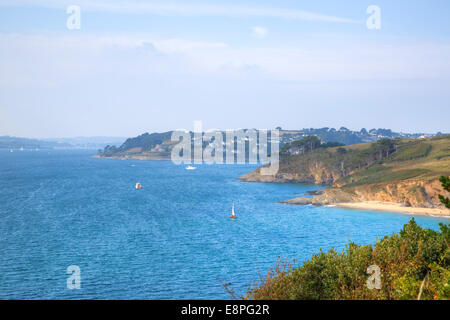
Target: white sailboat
x=233 y=214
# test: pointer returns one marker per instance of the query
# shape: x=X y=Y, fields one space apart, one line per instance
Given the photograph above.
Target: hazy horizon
x=155 y=66
x=162 y=131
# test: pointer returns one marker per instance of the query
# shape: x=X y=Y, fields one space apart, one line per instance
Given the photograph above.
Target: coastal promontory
x=390 y=174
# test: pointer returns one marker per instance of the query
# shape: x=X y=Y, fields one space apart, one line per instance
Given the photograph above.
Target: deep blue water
x=171 y=240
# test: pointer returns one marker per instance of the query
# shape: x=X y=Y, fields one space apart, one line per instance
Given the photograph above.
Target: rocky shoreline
x=315 y=174
x=414 y=197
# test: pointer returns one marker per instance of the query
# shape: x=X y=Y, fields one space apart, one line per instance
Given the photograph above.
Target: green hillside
x=381 y=161
x=423 y=159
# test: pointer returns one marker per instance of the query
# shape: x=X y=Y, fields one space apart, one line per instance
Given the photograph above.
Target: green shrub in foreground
x=414 y=264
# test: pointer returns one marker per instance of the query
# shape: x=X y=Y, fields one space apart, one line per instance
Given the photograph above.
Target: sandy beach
x=394 y=207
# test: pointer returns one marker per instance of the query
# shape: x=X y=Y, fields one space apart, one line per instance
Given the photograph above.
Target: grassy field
x=383 y=161
x=423 y=159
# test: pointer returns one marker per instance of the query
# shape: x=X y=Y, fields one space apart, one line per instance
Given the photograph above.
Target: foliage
x=331 y=144
x=145 y=142
x=413 y=259
x=305 y=144
x=446 y=185
x=308 y=144
x=445 y=182
x=346 y=136
x=108 y=151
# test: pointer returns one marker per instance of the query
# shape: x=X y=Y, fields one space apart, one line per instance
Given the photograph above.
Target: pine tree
x=446 y=185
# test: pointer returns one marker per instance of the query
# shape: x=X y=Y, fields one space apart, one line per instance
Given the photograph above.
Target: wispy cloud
x=259 y=32
x=50 y=84
x=182 y=9
x=32 y=58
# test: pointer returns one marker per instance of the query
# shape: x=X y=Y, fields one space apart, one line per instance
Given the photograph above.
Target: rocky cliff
x=411 y=193
x=314 y=173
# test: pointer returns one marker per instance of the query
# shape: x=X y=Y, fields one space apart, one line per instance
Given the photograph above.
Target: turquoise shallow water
x=171 y=240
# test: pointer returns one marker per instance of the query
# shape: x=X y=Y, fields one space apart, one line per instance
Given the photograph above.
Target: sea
x=63 y=210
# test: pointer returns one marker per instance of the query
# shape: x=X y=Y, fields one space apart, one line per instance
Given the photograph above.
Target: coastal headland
x=400 y=175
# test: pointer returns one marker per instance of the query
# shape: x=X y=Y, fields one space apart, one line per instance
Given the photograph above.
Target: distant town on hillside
x=157 y=146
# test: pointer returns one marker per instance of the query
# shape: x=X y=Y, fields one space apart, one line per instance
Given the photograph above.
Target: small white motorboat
x=190 y=168
x=138 y=186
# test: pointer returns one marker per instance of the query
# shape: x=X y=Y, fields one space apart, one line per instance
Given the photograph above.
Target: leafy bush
x=414 y=264
x=445 y=181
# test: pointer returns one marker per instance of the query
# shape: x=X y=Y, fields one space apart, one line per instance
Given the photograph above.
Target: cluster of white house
x=239 y=146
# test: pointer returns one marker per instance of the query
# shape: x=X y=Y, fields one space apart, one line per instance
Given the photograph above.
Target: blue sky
x=137 y=66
